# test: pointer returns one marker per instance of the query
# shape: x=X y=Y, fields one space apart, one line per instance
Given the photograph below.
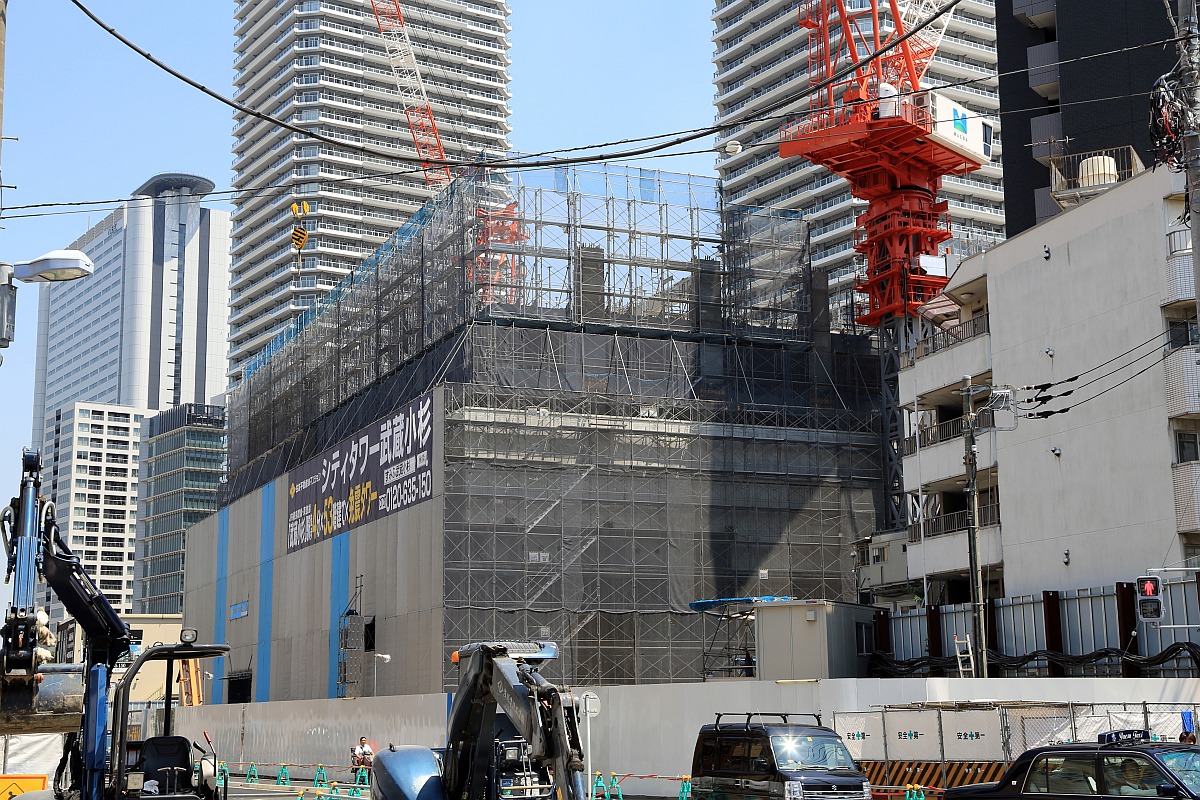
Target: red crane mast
x=873 y=124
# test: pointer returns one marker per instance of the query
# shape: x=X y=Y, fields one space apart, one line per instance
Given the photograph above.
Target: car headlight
x=793 y=790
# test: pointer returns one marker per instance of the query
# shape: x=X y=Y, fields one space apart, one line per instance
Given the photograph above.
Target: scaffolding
x=641 y=408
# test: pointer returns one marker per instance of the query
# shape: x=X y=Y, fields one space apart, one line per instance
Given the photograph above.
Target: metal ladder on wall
x=965 y=657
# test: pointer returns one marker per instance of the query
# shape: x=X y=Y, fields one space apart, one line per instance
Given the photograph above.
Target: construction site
x=642 y=404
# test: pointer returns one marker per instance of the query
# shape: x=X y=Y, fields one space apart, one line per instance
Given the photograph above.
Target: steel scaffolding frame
x=639 y=410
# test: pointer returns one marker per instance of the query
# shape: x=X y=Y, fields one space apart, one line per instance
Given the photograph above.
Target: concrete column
x=137 y=296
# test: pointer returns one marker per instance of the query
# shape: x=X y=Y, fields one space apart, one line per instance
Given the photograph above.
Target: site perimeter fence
x=942 y=747
x=1087 y=622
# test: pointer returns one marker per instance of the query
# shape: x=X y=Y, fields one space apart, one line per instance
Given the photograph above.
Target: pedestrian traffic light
x=1149 y=598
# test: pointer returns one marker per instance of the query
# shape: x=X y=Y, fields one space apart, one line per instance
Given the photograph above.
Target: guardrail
x=946 y=338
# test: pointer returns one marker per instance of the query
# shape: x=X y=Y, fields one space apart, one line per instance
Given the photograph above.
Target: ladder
x=965 y=657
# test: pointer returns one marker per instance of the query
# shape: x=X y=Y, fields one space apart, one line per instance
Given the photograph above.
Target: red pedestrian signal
x=1149 y=586
x=1149 y=598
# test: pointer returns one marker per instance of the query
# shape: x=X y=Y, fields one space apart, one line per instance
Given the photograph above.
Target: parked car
x=774 y=757
x=1121 y=764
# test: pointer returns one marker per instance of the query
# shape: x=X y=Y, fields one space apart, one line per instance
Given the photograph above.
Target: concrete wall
x=1109 y=497
x=640 y=729
x=288 y=638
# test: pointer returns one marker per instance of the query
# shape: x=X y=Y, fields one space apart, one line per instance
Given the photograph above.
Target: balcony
x=1045 y=133
x=943 y=550
x=946 y=338
x=1043 y=69
x=954 y=522
x=1182 y=375
x=1186 y=477
x=1181 y=282
x=1036 y=13
x=946 y=431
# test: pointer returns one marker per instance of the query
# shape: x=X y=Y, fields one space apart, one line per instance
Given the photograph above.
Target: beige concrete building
x=1085 y=498
x=145 y=630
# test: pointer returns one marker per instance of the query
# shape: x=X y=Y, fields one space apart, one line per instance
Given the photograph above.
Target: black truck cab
x=774 y=757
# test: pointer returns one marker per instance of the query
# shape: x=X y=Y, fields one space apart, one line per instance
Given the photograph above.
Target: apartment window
x=92 y=527
x=1181 y=332
x=879 y=555
x=113 y=542
x=77 y=539
x=1191 y=555
x=1187 y=446
x=92 y=541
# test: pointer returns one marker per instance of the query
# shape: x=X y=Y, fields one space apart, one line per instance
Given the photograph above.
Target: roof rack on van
x=751 y=715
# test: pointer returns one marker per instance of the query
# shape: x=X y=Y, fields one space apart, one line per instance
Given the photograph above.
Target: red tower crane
x=426 y=139
x=874 y=125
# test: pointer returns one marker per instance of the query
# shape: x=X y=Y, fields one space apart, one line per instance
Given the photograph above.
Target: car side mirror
x=761 y=765
x=1167 y=790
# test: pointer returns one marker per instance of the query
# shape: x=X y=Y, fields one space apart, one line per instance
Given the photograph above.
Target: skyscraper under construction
x=558 y=405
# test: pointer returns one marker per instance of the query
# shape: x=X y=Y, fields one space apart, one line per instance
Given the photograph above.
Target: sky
x=93 y=120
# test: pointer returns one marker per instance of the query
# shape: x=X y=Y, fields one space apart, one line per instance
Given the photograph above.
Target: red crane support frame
x=883 y=149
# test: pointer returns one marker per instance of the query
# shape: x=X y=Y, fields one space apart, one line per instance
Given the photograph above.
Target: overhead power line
x=678 y=140
x=1053 y=412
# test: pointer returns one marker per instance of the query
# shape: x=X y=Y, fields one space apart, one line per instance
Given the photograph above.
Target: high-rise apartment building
x=322 y=64
x=93 y=451
x=762 y=57
x=182 y=464
x=146 y=332
x=1065 y=105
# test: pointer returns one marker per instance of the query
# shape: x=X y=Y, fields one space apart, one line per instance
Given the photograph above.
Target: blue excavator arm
x=37 y=695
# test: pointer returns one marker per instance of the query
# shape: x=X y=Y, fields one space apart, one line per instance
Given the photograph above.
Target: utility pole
x=1189 y=27
x=971 y=459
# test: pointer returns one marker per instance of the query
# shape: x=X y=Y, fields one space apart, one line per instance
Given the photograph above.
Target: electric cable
x=1041 y=387
x=1041 y=399
x=683 y=139
x=1052 y=412
x=268 y=189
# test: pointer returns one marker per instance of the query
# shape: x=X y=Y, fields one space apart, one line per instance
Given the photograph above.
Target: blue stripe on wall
x=266 y=586
x=339 y=598
x=220 y=611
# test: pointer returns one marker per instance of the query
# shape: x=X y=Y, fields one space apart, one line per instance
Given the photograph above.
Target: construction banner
x=383 y=468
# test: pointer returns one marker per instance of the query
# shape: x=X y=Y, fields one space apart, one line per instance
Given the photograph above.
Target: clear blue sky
x=95 y=119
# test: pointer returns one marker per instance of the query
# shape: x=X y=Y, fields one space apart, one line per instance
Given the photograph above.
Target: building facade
x=182 y=466
x=146 y=332
x=762 y=57
x=1063 y=104
x=322 y=64
x=1104 y=488
x=94 y=462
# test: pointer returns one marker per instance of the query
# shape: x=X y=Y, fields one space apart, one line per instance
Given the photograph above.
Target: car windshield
x=1185 y=764
x=810 y=752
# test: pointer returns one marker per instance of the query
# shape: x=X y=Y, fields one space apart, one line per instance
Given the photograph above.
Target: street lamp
x=57 y=265
x=385 y=658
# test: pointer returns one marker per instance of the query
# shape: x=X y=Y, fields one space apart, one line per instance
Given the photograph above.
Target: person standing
x=363 y=754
